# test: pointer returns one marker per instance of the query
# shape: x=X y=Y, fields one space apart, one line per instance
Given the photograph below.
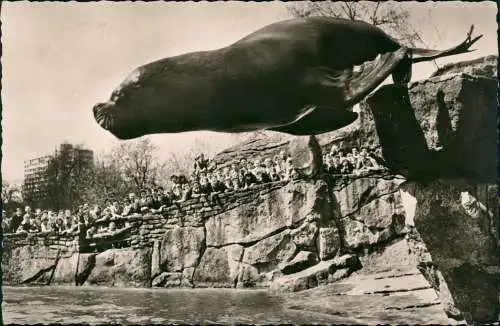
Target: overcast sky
x=59 y=59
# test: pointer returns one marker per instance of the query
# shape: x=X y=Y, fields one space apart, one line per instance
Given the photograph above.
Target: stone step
x=386 y=284
x=322 y=273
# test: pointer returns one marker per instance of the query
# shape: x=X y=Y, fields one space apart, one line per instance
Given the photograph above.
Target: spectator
x=196 y=190
x=45 y=216
x=243 y=163
x=277 y=165
x=256 y=166
x=147 y=204
x=346 y=167
x=182 y=180
x=366 y=163
x=67 y=222
x=157 y=205
x=38 y=214
x=33 y=225
x=186 y=193
x=200 y=163
x=57 y=224
x=106 y=216
x=25 y=225
x=174 y=179
x=249 y=179
x=270 y=170
x=351 y=159
x=294 y=175
x=135 y=204
x=155 y=202
x=95 y=214
x=142 y=199
x=112 y=227
x=226 y=178
x=205 y=186
x=6 y=222
x=91 y=232
x=116 y=209
x=262 y=176
x=340 y=154
x=216 y=185
x=51 y=218
x=17 y=219
x=27 y=212
x=44 y=226
x=289 y=170
x=334 y=150
x=107 y=203
x=176 y=192
x=329 y=165
x=234 y=176
x=60 y=214
x=166 y=198
x=336 y=165
x=249 y=167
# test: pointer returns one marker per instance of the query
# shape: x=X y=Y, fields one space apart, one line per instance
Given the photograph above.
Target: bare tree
x=138 y=163
x=107 y=181
x=11 y=193
x=389 y=16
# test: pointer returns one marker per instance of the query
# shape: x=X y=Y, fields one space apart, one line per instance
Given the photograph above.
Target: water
x=28 y=305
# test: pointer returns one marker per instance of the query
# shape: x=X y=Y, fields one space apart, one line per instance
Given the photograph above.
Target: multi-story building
x=35 y=169
x=34 y=176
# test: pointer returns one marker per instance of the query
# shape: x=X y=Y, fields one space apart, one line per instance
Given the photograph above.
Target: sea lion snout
x=115 y=120
x=103 y=115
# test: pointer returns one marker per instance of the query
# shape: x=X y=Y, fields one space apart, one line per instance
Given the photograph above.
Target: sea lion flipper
x=321 y=120
x=343 y=88
x=372 y=74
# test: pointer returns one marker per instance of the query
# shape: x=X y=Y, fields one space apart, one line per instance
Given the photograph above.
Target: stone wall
x=32 y=258
x=247 y=238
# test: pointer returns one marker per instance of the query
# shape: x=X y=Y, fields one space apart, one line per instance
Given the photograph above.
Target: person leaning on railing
x=6 y=222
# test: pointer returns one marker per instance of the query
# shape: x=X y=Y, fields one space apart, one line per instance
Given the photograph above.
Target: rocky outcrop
x=219 y=267
x=32 y=264
x=121 y=267
x=458 y=226
x=181 y=248
x=400 y=295
x=443 y=127
x=73 y=270
x=484 y=66
x=267 y=214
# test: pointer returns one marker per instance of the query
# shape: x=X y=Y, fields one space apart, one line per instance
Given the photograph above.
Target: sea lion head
x=128 y=113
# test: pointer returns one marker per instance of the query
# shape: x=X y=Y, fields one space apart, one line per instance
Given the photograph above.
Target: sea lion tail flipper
x=420 y=55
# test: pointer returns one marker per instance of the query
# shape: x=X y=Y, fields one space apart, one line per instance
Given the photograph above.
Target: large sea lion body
x=297 y=76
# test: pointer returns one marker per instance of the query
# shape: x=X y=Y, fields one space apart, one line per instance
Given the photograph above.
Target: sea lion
x=299 y=76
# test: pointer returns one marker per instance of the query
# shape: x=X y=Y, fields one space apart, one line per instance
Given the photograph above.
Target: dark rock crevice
x=42 y=277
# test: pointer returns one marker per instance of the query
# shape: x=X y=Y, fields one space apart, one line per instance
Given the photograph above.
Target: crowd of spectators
x=207 y=180
x=342 y=163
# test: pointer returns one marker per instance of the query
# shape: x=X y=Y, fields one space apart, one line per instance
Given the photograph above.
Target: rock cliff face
x=436 y=210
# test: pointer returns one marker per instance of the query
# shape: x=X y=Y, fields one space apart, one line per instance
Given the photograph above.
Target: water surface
x=92 y=305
